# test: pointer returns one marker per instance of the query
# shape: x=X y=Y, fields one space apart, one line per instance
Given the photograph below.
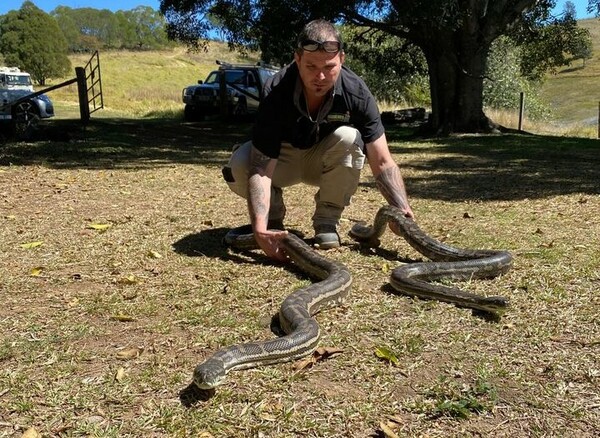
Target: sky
x=115 y=5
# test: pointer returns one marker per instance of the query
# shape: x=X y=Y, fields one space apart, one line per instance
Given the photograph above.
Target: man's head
x=319 y=56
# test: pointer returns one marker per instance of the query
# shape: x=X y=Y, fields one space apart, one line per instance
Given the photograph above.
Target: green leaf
x=100 y=227
x=30 y=245
x=387 y=355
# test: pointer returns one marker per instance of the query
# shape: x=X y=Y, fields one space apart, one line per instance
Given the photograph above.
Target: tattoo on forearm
x=256 y=198
x=391 y=185
x=258 y=201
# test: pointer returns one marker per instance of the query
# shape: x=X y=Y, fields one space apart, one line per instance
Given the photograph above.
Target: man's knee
x=347 y=135
x=235 y=173
x=346 y=148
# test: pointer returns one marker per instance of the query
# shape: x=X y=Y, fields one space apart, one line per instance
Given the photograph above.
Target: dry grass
x=101 y=329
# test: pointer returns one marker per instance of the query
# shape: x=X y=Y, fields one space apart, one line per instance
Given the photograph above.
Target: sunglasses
x=327 y=46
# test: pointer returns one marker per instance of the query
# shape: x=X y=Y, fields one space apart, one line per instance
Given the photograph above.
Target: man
x=317 y=124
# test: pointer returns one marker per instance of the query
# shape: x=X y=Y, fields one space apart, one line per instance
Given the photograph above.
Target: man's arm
x=387 y=175
x=259 y=200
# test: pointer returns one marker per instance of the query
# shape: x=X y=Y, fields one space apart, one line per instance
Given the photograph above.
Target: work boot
x=326 y=236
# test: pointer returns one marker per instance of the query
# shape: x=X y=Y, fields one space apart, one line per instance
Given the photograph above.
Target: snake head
x=208 y=375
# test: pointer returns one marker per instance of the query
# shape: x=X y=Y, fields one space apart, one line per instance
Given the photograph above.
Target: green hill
x=574 y=91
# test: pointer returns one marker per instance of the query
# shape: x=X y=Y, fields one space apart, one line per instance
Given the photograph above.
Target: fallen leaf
x=31 y=433
x=30 y=245
x=387 y=355
x=318 y=355
x=99 y=227
x=37 y=271
x=129 y=353
x=154 y=254
x=387 y=431
x=120 y=374
x=385 y=268
x=130 y=279
x=123 y=318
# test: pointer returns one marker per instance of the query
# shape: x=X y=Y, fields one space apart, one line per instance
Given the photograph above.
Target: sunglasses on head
x=327 y=46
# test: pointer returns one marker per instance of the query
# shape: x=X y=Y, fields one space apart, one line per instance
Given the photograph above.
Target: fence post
x=84 y=109
x=521 y=109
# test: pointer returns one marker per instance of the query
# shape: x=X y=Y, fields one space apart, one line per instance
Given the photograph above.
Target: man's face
x=319 y=70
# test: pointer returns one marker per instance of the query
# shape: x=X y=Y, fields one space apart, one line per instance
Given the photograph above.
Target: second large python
x=415 y=279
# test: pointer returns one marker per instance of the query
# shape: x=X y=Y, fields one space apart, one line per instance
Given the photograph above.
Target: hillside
x=574 y=91
x=139 y=84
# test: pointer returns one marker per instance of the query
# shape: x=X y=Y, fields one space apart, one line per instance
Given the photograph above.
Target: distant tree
x=549 y=43
x=31 y=40
x=570 y=11
x=69 y=27
x=88 y=29
x=145 y=28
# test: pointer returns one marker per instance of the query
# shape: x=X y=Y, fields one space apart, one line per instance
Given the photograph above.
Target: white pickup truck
x=15 y=85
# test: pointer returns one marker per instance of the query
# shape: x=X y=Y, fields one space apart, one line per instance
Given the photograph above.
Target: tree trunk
x=456 y=73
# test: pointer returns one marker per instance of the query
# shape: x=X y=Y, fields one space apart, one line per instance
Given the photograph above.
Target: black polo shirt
x=282 y=115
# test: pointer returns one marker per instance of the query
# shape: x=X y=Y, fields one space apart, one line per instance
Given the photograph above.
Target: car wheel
x=191 y=114
x=241 y=109
x=26 y=118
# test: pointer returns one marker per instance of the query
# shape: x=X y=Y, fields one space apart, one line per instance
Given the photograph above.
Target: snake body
x=295 y=316
x=297 y=310
x=448 y=262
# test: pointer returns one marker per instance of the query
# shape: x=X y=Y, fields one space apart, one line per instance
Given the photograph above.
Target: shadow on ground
x=498 y=167
x=125 y=143
x=459 y=168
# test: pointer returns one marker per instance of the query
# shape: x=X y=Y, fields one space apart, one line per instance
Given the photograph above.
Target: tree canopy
x=88 y=29
x=454 y=37
x=31 y=40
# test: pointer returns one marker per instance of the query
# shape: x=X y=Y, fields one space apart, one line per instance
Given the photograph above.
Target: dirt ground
x=115 y=284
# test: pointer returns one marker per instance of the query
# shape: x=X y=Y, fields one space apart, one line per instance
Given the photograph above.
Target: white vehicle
x=12 y=78
x=16 y=85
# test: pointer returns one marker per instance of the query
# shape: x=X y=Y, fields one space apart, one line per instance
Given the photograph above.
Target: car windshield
x=18 y=80
x=231 y=76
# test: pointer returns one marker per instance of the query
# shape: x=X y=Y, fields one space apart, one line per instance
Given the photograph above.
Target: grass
x=573 y=91
x=101 y=328
x=138 y=84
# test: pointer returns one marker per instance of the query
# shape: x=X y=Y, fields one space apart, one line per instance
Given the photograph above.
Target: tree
x=454 y=36
x=31 y=40
x=147 y=28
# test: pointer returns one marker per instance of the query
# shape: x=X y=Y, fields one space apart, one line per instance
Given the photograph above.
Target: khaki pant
x=333 y=165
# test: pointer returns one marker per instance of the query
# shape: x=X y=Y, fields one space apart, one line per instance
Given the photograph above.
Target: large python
x=449 y=262
x=297 y=310
x=295 y=315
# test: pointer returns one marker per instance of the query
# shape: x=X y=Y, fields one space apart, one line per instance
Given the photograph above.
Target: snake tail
x=295 y=317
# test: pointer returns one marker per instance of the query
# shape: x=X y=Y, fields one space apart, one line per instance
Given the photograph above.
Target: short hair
x=319 y=30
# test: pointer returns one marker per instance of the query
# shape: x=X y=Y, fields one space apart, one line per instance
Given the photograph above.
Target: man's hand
x=270 y=242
